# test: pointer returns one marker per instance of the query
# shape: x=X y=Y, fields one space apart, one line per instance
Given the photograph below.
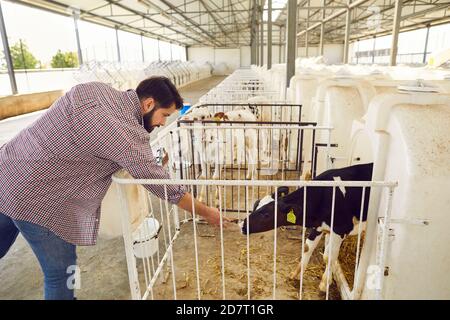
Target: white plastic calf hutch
x=406 y=135
x=337 y=103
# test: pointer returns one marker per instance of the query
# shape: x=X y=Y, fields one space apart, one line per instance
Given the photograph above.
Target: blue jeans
x=56 y=256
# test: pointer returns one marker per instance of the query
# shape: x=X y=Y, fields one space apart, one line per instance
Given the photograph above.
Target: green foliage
x=64 y=60
x=22 y=57
x=2 y=61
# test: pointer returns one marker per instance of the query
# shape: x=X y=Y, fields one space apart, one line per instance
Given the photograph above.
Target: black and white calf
x=347 y=209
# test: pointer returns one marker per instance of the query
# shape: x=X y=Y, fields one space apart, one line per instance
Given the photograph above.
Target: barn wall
x=333 y=53
x=234 y=58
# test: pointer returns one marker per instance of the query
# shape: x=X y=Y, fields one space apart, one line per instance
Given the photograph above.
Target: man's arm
x=211 y=215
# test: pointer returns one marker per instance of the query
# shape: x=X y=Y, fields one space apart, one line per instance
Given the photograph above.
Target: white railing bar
x=275 y=246
x=261 y=183
x=330 y=244
x=341 y=281
x=356 y=279
x=145 y=259
x=195 y=245
x=171 y=251
x=163 y=223
x=128 y=243
x=303 y=245
x=222 y=249
x=160 y=266
x=248 y=249
x=383 y=249
x=229 y=126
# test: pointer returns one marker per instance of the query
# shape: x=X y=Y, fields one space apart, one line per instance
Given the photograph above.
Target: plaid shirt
x=56 y=172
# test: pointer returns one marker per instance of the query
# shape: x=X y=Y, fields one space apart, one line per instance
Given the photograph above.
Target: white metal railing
x=240 y=86
x=153 y=267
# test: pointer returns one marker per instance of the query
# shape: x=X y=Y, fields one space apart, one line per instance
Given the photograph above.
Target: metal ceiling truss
x=228 y=23
x=360 y=29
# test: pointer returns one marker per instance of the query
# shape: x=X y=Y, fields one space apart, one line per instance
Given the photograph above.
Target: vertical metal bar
x=187 y=53
x=395 y=31
x=170 y=45
x=262 y=34
x=279 y=45
x=373 y=49
x=24 y=63
x=300 y=154
x=357 y=51
x=384 y=240
x=163 y=223
x=222 y=250
x=356 y=279
x=291 y=40
x=426 y=46
x=347 y=31
x=257 y=43
x=143 y=233
x=313 y=158
x=128 y=243
x=142 y=47
x=328 y=157
x=117 y=43
x=174 y=283
x=9 y=63
x=248 y=248
x=76 y=16
x=330 y=244
x=275 y=245
x=306 y=33
x=159 y=52
x=195 y=245
x=322 y=28
x=302 y=271
x=269 y=35
x=253 y=34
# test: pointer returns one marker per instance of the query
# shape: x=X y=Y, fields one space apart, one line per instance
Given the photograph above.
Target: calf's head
x=289 y=212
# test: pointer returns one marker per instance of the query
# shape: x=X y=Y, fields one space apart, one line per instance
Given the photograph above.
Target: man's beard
x=147 y=120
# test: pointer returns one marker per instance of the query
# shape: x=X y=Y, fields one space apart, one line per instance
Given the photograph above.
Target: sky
x=45 y=33
x=39 y=29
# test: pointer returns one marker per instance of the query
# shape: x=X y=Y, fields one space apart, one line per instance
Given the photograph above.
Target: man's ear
x=147 y=104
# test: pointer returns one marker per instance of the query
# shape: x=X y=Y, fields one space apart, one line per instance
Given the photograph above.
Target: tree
x=21 y=56
x=64 y=60
x=2 y=61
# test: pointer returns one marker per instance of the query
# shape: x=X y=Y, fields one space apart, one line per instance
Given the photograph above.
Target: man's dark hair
x=162 y=90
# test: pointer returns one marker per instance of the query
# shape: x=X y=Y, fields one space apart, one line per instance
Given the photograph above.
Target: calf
x=347 y=207
x=194 y=138
x=246 y=148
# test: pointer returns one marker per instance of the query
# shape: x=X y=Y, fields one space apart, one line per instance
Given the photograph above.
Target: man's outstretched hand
x=210 y=214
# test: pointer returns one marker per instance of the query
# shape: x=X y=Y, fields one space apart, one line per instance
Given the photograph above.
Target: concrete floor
x=103 y=267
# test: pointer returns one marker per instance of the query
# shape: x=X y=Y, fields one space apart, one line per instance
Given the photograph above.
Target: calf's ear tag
x=291 y=216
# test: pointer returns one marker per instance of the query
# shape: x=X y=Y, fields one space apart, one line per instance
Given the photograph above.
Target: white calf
x=198 y=137
x=247 y=148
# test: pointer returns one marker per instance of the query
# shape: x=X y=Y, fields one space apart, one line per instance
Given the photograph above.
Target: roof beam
x=333 y=16
x=181 y=13
x=216 y=20
x=116 y=3
x=52 y=6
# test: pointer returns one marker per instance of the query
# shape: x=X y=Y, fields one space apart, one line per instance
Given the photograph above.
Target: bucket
x=145 y=238
x=185 y=108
